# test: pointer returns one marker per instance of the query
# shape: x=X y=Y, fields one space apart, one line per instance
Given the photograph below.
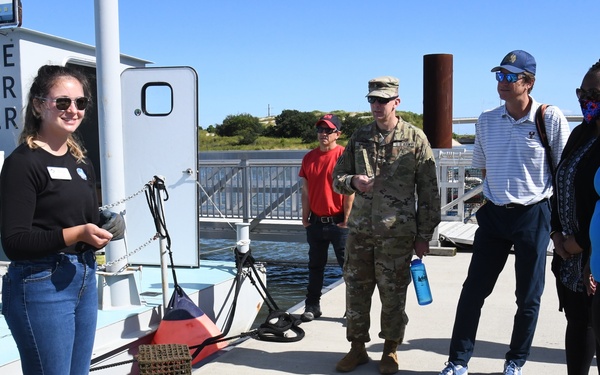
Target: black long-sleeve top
x=40 y=195
x=585 y=194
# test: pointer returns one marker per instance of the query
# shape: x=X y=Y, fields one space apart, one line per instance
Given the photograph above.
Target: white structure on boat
x=158 y=139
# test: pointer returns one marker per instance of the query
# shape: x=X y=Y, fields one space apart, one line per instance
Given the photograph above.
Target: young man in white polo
x=518 y=186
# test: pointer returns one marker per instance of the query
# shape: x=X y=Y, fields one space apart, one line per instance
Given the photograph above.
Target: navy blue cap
x=517 y=61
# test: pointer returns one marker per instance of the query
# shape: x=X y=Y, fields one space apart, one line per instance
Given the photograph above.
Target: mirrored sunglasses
x=373 y=99
x=63 y=103
x=591 y=94
x=509 y=77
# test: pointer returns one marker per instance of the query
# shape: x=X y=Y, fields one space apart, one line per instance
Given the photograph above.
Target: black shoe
x=311 y=312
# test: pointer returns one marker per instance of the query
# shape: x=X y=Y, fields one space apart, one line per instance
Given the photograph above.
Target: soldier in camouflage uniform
x=390 y=166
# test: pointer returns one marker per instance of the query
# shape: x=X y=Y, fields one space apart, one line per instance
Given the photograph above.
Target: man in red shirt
x=324 y=212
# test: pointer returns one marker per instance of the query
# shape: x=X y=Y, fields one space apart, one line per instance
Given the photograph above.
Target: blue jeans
x=527 y=228
x=51 y=307
x=319 y=236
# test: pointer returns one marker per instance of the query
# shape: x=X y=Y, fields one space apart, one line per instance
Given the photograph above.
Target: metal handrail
x=257 y=189
x=473 y=120
x=468 y=195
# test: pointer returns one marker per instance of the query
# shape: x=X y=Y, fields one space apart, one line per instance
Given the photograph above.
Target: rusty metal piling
x=437 y=99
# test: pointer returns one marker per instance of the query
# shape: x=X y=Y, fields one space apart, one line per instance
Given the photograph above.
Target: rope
x=213 y=203
x=278 y=322
x=111 y=365
x=205 y=252
x=154 y=200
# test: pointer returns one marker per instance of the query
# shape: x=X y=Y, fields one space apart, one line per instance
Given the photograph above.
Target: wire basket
x=164 y=359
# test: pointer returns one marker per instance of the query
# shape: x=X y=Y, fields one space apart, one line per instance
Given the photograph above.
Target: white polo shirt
x=511 y=151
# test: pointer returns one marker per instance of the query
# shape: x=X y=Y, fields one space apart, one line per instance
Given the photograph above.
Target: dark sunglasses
x=62 y=104
x=591 y=94
x=373 y=99
x=326 y=130
x=509 y=77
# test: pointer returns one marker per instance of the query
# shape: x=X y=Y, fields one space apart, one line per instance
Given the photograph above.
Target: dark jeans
x=319 y=236
x=596 y=317
x=527 y=228
x=580 y=342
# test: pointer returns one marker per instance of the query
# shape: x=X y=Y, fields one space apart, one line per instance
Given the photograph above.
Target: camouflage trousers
x=381 y=262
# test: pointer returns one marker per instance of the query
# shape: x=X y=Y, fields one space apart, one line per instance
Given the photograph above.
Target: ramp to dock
x=457 y=232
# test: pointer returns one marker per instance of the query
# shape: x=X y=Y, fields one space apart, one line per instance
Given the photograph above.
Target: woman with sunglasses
x=49 y=207
x=573 y=207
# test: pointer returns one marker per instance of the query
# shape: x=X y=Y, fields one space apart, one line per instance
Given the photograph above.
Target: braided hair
x=595 y=69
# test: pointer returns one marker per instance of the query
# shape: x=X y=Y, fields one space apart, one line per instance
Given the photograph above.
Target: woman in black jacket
x=573 y=206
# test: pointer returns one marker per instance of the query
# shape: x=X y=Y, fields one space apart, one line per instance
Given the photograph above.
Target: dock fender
x=186 y=323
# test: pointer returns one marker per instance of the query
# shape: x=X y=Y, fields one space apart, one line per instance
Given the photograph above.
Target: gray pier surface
x=425 y=347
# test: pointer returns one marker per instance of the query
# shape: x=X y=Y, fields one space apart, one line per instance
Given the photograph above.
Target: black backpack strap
x=541 y=128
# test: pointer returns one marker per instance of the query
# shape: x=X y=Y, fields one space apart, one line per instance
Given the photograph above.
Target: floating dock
x=425 y=348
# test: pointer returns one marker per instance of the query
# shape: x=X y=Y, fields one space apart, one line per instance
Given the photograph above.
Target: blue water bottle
x=419 y=276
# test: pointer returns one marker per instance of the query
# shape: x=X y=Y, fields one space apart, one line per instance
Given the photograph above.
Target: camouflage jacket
x=405 y=199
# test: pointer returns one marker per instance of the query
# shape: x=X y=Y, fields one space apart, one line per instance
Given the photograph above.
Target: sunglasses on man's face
x=63 y=103
x=591 y=94
x=509 y=77
x=325 y=130
x=373 y=99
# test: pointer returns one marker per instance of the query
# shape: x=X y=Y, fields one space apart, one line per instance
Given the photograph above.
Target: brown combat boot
x=389 y=359
x=357 y=356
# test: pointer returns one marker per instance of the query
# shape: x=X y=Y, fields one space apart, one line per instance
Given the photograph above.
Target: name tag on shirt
x=59 y=173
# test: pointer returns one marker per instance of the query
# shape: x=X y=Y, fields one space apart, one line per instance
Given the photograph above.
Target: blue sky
x=319 y=54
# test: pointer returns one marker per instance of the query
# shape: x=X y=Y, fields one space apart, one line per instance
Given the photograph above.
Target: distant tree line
x=295 y=124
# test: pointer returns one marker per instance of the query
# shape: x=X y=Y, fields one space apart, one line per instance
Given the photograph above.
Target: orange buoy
x=186 y=323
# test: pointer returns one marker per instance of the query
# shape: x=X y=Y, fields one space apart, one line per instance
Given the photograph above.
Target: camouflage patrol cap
x=384 y=87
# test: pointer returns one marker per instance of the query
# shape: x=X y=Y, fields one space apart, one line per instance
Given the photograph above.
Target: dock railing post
x=246 y=190
x=435 y=246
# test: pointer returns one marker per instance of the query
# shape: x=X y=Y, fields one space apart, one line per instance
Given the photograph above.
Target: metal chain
x=111 y=205
x=133 y=252
x=106 y=265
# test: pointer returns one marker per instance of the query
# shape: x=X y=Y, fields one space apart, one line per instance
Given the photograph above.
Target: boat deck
x=427 y=335
x=207 y=286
